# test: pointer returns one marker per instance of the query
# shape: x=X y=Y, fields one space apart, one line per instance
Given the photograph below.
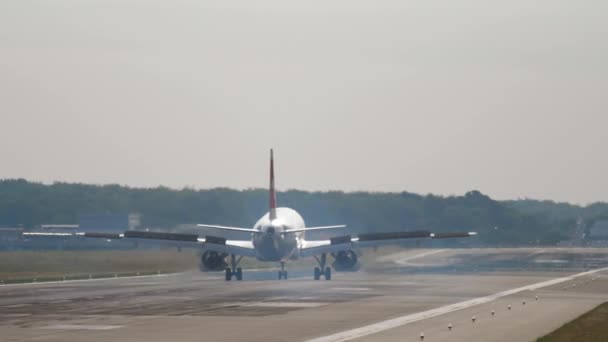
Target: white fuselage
x=271 y=243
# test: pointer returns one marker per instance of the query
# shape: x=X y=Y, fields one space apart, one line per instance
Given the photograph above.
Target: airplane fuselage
x=271 y=243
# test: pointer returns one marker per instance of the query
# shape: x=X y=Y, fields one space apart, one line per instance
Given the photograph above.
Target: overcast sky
x=506 y=97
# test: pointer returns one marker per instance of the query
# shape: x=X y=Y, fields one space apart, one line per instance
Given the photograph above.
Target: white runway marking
x=278 y=304
x=17 y=305
x=399 y=321
x=16 y=315
x=404 y=261
x=82 y=327
x=141 y=284
x=550 y=261
x=351 y=288
x=86 y=280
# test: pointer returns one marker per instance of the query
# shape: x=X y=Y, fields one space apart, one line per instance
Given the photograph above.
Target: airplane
x=278 y=236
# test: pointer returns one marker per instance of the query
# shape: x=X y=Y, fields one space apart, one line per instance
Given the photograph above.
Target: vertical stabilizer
x=272 y=193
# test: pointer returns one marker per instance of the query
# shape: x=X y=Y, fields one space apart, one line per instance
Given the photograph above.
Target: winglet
x=272 y=194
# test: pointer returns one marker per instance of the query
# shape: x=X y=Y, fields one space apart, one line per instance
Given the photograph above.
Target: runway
x=400 y=297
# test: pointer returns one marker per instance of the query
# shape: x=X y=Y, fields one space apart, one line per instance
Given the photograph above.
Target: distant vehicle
x=278 y=236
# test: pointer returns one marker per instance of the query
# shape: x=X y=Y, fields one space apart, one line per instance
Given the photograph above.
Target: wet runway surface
x=196 y=306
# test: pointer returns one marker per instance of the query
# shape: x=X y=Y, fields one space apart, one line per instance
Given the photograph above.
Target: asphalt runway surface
x=396 y=298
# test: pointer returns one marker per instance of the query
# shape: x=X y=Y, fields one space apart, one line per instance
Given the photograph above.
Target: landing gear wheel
x=237 y=272
x=282 y=272
x=322 y=270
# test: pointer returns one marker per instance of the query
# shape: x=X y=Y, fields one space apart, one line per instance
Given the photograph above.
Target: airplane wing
x=210 y=243
x=348 y=242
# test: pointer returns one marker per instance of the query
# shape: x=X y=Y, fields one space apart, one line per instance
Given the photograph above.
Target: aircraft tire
x=228 y=274
x=239 y=274
x=327 y=273
x=317 y=273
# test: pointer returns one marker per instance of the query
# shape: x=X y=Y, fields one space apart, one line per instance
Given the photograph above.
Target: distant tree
x=513 y=222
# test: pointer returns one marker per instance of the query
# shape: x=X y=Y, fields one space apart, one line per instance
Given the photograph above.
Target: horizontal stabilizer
x=313 y=228
x=237 y=229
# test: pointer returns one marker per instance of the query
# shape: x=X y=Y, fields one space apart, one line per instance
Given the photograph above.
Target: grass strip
x=590 y=327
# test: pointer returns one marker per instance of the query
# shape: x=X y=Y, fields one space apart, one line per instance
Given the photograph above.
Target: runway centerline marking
x=17 y=305
x=82 y=327
x=350 y=288
x=277 y=304
x=403 y=320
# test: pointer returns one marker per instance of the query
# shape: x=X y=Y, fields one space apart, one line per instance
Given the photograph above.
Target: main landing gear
x=322 y=270
x=234 y=271
x=282 y=272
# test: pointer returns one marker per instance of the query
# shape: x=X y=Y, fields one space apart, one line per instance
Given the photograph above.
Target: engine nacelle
x=213 y=261
x=345 y=261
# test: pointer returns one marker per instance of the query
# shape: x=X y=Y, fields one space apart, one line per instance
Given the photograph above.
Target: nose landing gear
x=234 y=271
x=282 y=272
x=322 y=270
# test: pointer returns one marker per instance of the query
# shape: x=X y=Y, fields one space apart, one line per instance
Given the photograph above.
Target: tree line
x=499 y=223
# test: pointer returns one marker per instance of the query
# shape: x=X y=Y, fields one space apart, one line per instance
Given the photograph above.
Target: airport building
x=59 y=228
x=599 y=230
x=9 y=237
x=10 y=233
x=109 y=222
x=598 y=234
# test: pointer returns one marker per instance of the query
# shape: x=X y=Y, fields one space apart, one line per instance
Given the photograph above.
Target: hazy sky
x=506 y=97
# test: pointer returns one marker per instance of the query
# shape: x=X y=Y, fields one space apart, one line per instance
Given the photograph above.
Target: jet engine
x=213 y=261
x=345 y=261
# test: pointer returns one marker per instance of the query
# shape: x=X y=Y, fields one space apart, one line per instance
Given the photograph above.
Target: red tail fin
x=273 y=196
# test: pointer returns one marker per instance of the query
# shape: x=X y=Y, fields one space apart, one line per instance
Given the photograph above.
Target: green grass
x=590 y=327
x=53 y=265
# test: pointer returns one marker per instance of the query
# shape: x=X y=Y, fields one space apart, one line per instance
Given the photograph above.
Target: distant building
x=109 y=222
x=10 y=237
x=10 y=233
x=599 y=230
x=59 y=226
